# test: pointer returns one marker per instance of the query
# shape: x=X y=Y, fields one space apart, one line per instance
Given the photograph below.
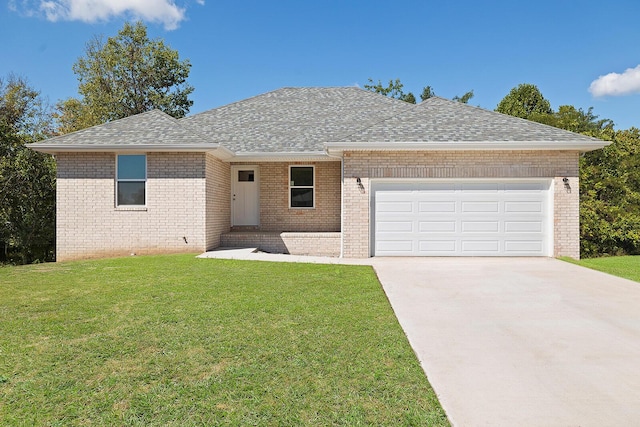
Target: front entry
x=245 y=206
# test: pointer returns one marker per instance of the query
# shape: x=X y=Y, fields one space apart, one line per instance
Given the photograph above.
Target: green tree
x=128 y=74
x=577 y=120
x=464 y=98
x=427 y=92
x=610 y=197
x=27 y=178
x=392 y=90
x=525 y=101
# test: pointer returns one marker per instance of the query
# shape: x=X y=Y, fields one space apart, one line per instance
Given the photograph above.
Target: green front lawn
x=621 y=266
x=175 y=340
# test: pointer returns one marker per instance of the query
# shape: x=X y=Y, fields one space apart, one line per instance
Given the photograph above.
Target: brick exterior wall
x=90 y=225
x=317 y=244
x=218 y=188
x=460 y=164
x=275 y=213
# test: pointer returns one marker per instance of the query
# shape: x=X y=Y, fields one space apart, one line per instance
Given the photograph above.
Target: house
x=322 y=171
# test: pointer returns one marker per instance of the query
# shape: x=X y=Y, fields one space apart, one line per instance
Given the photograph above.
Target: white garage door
x=511 y=218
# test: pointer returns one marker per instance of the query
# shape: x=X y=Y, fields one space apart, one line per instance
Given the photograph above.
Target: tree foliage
x=609 y=178
x=27 y=178
x=394 y=89
x=525 y=101
x=464 y=98
x=610 y=197
x=128 y=74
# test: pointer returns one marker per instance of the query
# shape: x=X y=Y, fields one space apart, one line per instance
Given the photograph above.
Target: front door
x=245 y=196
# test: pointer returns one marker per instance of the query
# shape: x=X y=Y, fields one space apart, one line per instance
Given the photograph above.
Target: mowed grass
x=621 y=266
x=175 y=340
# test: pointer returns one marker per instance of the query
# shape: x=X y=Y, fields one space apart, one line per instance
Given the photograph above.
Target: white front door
x=462 y=218
x=245 y=195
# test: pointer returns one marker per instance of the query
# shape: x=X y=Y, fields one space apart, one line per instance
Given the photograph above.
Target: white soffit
x=336 y=148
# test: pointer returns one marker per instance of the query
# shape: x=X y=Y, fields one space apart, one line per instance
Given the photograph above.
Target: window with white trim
x=301 y=187
x=131 y=179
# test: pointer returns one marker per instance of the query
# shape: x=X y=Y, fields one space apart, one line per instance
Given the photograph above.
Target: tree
x=610 y=197
x=27 y=178
x=577 y=120
x=128 y=74
x=464 y=98
x=392 y=90
x=427 y=92
x=524 y=101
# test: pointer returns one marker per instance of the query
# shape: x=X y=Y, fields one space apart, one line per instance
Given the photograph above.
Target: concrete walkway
x=514 y=341
x=523 y=341
x=252 y=254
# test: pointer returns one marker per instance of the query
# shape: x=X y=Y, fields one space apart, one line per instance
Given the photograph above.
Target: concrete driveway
x=522 y=341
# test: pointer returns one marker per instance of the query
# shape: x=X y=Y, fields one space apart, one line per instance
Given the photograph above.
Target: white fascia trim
x=287 y=156
x=122 y=148
x=336 y=148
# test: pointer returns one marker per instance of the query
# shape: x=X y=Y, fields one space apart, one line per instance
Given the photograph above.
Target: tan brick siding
x=218 y=189
x=90 y=225
x=460 y=165
x=275 y=213
x=316 y=244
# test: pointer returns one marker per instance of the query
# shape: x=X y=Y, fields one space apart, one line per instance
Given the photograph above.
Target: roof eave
x=92 y=148
x=282 y=156
x=337 y=148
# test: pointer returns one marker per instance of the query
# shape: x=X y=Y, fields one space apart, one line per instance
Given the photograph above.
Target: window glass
x=302 y=176
x=301 y=187
x=302 y=197
x=245 y=176
x=131 y=179
x=131 y=193
x=132 y=166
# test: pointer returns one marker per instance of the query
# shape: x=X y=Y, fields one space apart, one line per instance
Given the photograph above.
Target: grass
x=621 y=266
x=175 y=340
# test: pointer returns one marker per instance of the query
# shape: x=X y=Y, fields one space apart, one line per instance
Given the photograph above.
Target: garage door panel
x=448 y=206
x=395 y=226
x=524 y=206
x=401 y=246
x=483 y=246
x=523 y=246
x=480 y=226
x=478 y=206
x=523 y=227
x=433 y=247
x=461 y=218
x=437 y=226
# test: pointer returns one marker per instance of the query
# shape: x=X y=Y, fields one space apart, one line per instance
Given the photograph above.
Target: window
x=301 y=191
x=131 y=180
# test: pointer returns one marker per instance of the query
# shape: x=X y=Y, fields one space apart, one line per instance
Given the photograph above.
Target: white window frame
x=313 y=187
x=131 y=180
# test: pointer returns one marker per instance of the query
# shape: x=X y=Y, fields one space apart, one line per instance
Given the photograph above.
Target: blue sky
x=243 y=48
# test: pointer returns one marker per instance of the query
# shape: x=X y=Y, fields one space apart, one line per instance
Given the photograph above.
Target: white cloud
x=165 y=12
x=615 y=84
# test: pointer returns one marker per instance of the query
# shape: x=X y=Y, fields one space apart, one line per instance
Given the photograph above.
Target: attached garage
x=462 y=217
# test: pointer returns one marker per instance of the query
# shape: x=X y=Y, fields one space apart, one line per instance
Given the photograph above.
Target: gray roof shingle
x=298 y=120
x=443 y=120
x=150 y=128
x=294 y=119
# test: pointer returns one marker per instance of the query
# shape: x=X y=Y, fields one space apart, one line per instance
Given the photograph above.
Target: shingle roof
x=303 y=120
x=294 y=119
x=442 y=120
x=150 y=128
